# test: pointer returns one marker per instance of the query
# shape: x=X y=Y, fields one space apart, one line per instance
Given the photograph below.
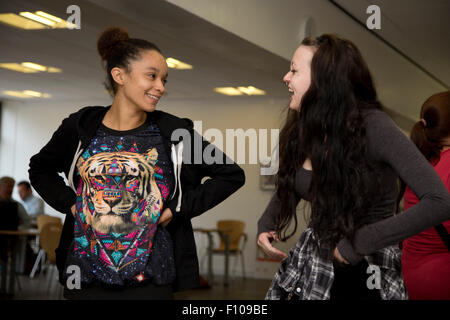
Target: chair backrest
x=49 y=239
x=233 y=229
x=43 y=219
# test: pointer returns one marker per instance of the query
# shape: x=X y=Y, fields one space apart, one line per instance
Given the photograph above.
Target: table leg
x=12 y=269
x=4 y=274
x=210 y=246
x=36 y=263
x=227 y=247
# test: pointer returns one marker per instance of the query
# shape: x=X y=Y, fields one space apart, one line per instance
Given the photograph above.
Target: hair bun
x=108 y=39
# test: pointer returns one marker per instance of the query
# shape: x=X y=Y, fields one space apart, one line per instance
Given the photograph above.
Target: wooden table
x=11 y=256
x=20 y=232
x=226 y=240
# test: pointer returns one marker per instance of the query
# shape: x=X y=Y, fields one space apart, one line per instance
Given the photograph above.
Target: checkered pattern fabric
x=308 y=272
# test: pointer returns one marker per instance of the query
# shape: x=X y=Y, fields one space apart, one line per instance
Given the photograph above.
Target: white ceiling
x=418 y=28
x=219 y=58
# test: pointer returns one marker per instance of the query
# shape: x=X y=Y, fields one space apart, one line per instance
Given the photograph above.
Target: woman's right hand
x=264 y=242
x=74 y=210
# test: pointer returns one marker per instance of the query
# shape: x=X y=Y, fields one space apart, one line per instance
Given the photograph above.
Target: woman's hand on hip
x=264 y=240
x=166 y=217
x=338 y=257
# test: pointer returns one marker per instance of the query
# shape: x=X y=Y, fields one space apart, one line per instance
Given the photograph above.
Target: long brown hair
x=329 y=129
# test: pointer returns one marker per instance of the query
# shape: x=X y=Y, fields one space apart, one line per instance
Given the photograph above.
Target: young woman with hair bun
x=132 y=194
x=343 y=154
x=426 y=256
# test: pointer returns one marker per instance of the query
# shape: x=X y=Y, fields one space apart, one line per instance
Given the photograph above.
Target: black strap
x=443 y=234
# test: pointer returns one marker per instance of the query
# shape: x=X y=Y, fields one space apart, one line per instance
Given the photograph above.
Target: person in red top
x=425 y=256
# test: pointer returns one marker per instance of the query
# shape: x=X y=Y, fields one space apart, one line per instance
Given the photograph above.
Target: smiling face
x=143 y=84
x=298 y=78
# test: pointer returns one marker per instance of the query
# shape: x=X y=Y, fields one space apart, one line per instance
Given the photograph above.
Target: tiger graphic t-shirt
x=126 y=177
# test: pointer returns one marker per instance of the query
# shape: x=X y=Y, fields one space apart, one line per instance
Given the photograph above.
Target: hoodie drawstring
x=72 y=166
x=180 y=161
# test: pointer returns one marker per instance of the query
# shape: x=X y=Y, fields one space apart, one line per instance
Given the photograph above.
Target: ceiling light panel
x=177 y=64
x=26 y=94
x=252 y=91
x=17 y=94
x=229 y=91
x=239 y=91
x=35 y=66
x=29 y=67
x=37 y=20
x=17 y=67
x=17 y=21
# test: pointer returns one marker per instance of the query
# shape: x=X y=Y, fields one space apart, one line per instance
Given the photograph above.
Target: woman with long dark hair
x=426 y=256
x=133 y=191
x=343 y=154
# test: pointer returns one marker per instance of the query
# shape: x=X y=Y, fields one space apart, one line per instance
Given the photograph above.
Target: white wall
x=27 y=126
x=250 y=201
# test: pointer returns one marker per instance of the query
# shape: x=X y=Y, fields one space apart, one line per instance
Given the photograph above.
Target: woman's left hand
x=338 y=257
x=166 y=217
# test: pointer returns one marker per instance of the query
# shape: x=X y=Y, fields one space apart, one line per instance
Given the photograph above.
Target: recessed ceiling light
x=252 y=91
x=229 y=91
x=34 y=66
x=177 y=64
x=37 y=20
x=29 y=67
x=49 y=16
x=17 y=21
x=53 y=70
x=17 y=94
x=32 y=93
x=26 y=94
x=59 y=23
x=17 y=67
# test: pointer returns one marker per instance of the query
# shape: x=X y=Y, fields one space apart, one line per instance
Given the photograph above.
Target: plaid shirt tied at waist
x=308 y=272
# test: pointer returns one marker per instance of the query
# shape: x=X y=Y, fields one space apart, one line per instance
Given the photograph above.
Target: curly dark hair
x=329 y=129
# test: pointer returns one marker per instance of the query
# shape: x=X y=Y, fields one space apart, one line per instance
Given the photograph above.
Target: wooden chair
x=231 y=231
x=42 y=221
x=48 y=241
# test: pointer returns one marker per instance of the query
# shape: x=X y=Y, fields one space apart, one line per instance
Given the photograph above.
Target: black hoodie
x=189 y=199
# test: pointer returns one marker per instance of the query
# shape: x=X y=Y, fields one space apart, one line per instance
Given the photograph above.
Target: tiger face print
x=119 y=191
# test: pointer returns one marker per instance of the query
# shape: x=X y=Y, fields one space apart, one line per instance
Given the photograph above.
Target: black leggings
x=350 y=283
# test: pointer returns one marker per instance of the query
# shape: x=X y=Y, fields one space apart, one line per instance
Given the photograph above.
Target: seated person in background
x=33 y=205
x=6 y=200
x=12 y=213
